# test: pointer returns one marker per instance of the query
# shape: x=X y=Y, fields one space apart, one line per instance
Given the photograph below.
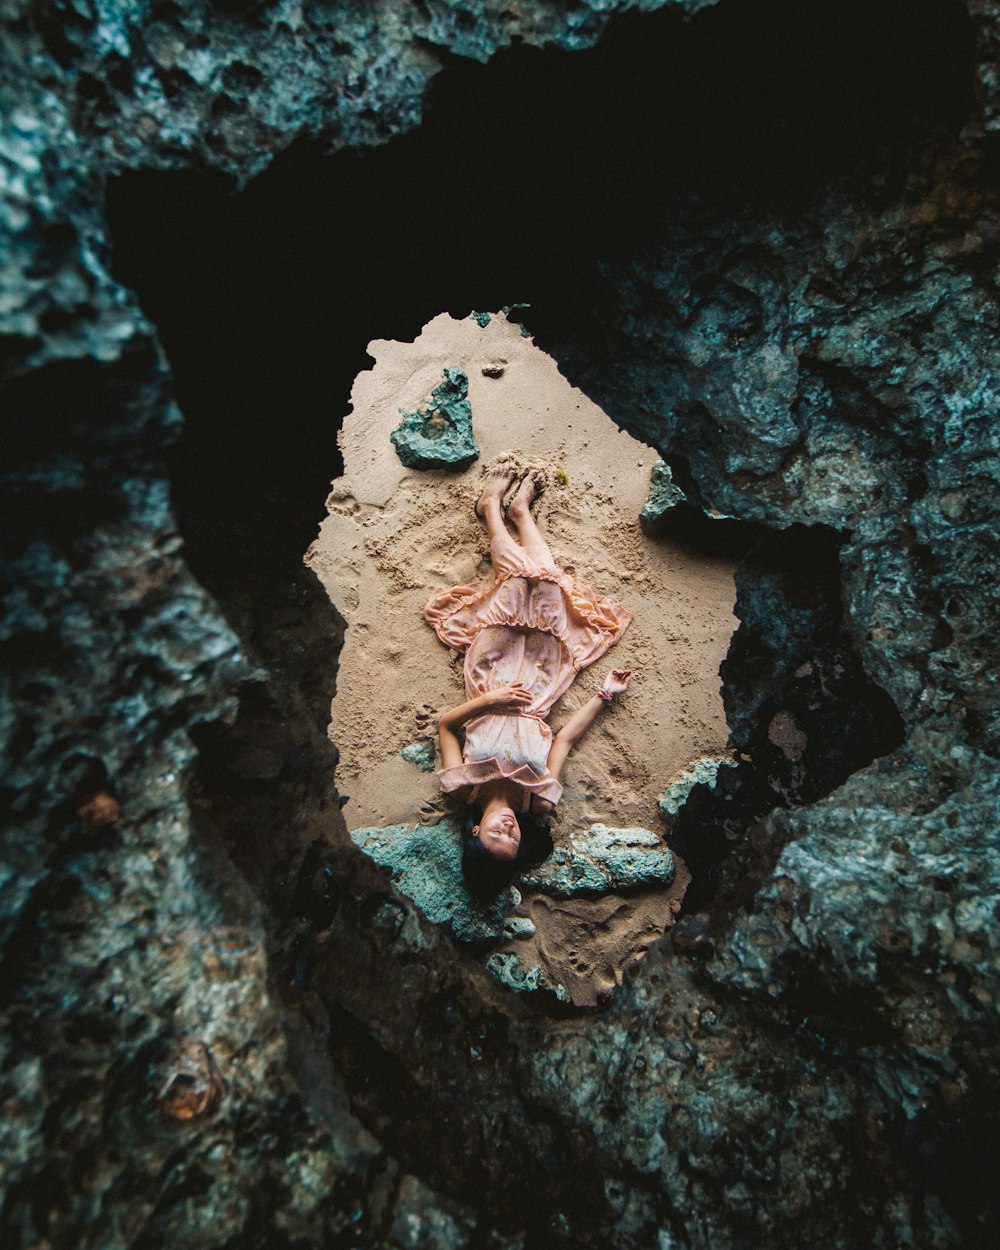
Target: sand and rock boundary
x=394 y=533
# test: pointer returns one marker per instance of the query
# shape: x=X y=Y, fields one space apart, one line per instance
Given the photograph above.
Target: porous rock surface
x=810 y=1061
x=600 y=860
x=439 y=435
x=426 y=865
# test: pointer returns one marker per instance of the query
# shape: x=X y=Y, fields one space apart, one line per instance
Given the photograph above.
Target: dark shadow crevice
x=803 y=714
x=526 y=175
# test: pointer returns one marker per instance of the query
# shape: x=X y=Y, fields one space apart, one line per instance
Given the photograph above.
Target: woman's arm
x=502 y=699
x=581 y=720
x=450 y=747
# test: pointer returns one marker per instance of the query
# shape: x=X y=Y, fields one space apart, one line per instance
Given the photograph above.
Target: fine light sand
x=393 y=534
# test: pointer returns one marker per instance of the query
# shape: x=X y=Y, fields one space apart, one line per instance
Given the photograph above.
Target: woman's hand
x=581 y=720
x=510 y=698
x=617 y=680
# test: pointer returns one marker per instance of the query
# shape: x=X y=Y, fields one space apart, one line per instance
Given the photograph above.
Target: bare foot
x=532 y=485
x=498 y=479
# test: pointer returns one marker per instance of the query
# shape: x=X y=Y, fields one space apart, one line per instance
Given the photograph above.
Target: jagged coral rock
x=439 y=435
x=600 y=860
x=704 y=773
x=663 y=495
x=426 y=864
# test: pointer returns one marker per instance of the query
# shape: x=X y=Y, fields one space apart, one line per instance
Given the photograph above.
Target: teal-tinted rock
x=423 y=1218
x=519 y=927
x=600 y=860
x=510 y=970
x=426 y=866
x=439 y=435
x=482 y=318
x=668 y=514
x=704 y=773
x=421 y=754
x=663 y=495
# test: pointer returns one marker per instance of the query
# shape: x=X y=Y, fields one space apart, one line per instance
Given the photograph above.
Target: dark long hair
x=486 y=875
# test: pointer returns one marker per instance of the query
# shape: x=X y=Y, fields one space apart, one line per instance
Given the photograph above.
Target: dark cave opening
x=526 y=174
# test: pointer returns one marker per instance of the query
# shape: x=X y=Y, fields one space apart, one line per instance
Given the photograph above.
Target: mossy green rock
x=600 y=860
x=421 y=754
x=439 y=435
x=426 y=865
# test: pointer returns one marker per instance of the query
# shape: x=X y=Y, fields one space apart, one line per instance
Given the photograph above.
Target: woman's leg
x=504 y=551
x=519 y=511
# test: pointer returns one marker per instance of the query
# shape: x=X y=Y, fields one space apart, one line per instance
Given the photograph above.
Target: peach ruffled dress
x=531 y=624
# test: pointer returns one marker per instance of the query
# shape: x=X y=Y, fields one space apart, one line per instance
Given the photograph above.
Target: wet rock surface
x=809 y=1056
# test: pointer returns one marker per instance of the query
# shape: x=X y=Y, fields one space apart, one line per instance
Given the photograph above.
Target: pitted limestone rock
x=421 y=754
x=704 y=773
x=509 y=969
x=519 y=927
x=600 y=860
x=439 y=435
x=426 y=865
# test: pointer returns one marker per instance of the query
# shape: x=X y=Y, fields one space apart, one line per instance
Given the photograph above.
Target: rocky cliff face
x=767 y=243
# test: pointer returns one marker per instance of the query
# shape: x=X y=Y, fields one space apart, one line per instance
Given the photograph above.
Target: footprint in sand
x=578 y=964
x=571 y=952
x=347 y=505
x=585 y=944
x=430 y=811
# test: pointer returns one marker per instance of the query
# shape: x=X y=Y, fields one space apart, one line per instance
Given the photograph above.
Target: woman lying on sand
x=526 y=635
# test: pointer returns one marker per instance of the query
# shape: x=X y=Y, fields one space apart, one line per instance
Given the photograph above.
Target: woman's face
x=500 y=833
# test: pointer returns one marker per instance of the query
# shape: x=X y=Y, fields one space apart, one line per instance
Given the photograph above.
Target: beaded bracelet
x=606 y=695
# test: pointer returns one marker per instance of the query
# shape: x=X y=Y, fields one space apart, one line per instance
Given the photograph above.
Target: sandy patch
x=585 y=944
x=394 y=534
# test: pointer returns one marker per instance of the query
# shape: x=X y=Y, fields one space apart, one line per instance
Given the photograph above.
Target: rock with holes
x=600 y=860
x=439 y=435
x=421 y=754
x=522 y=976
x=426 y=865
